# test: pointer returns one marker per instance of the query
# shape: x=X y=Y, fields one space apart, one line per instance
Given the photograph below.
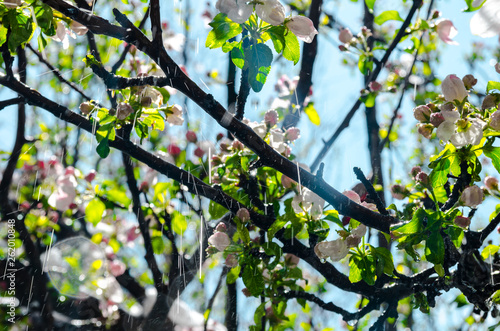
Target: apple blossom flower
x=336 y=250
x=236 y=10
x=310 y=202
x=117 y=268
x=259 y=128
x=356 y=198
x=270 y=11
x=292 y=134
x=462 y=221
x=65 y=194
x=485 y=22
x=62 y=34
x=375 y=86
x=277 y=140
x=495 y=120
x=174 y=116
x=78 y=28
x=446 y=31
x=243 y=215
x=123 y=110
x=221 y=227
x=352 y=241
x=489 y=101
x=150 y=96
x=302 y=27
x=453 y=89
x=345 y=35
x=11 y=4
x=422 y=113
x=271 y=118
x=219 y=240
x=491 y=183
x=472 y=196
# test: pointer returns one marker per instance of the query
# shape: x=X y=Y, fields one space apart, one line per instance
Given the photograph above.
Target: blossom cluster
x=271 y=12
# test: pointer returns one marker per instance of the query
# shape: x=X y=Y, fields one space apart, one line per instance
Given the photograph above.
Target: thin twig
x=371 y=191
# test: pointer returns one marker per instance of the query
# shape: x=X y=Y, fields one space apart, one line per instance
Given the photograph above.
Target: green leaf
x=277 y=35
x=21 y=27
x=94 y=211
x=470 y=7
x=43 y=14
x=103 y=148
x=365 y=64
x=385 y=256
x=179 y=224
x=223 y=29
x=494 y=154
x=434 y=248
x=414 y=226
x=291 y=51
x=388 y=15
x=3 y=34
x=216 y=210
x=492 y=86
x=277 y=225
x=312 y=114
x=489 y=251
x=233 y=275
x=370 y=4
x=253 y=280
x=439 y=175
x=259 y=313
x=259 y=62
x=242 y=231
x=158 y=244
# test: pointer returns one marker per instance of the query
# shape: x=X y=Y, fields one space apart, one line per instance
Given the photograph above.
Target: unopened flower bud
x=243 y=214
x=366 y=32
x=425 y=130
x=491 y=183
x=174 y=150
x=415 y=170
x=123 y=110
x=198 y=152
x=422 y=178
x=345 y=36
x=292 y=134
x=436 y=14
x=271 y=118
x=375 y=86
x=342 y=48
x=86 y=108
x=422 y=113
x=219 y=240
x=246 y=292
x=219 y=136
x=191 y=136
x=237 y=145
x=462 y=221
x=221 y=227
x=495 y=120
x=469 y=81
x=90 y=176
x=472 y=196
x=489 y=101
x=436 y=119
x=398 y=192
x=231 y=261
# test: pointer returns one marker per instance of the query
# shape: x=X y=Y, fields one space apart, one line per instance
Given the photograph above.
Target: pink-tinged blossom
x=236 y=10
x=198 y=152
x=174 y=150
x=422 y=113
x=243 y=214
x=292 y=134
x=472 y=196
x=415 y=170
x=486 y=22
x=446 y=31
x=65 y=194
x=219 y=240
x=422 y=178
x=345 y=36
x=117 y=267
x=453 y=89
x=78 y=28
x=495 y=120
x=287 y=182
x=462 y=221
x=221 y=227
x=398 y=192
x=270 y=11
x=436 y=119
x=133 y=233
x=310 y=202
x=302 y=27
x=123 y=110
x=62 y=34
x=491 y=183
x=174 y=116
x=11 y=4
x=271 y=118
x=353 y=196
x=336 y=250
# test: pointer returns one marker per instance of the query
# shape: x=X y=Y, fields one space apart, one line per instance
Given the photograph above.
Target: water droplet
x=352 y=322
x=322 y=260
